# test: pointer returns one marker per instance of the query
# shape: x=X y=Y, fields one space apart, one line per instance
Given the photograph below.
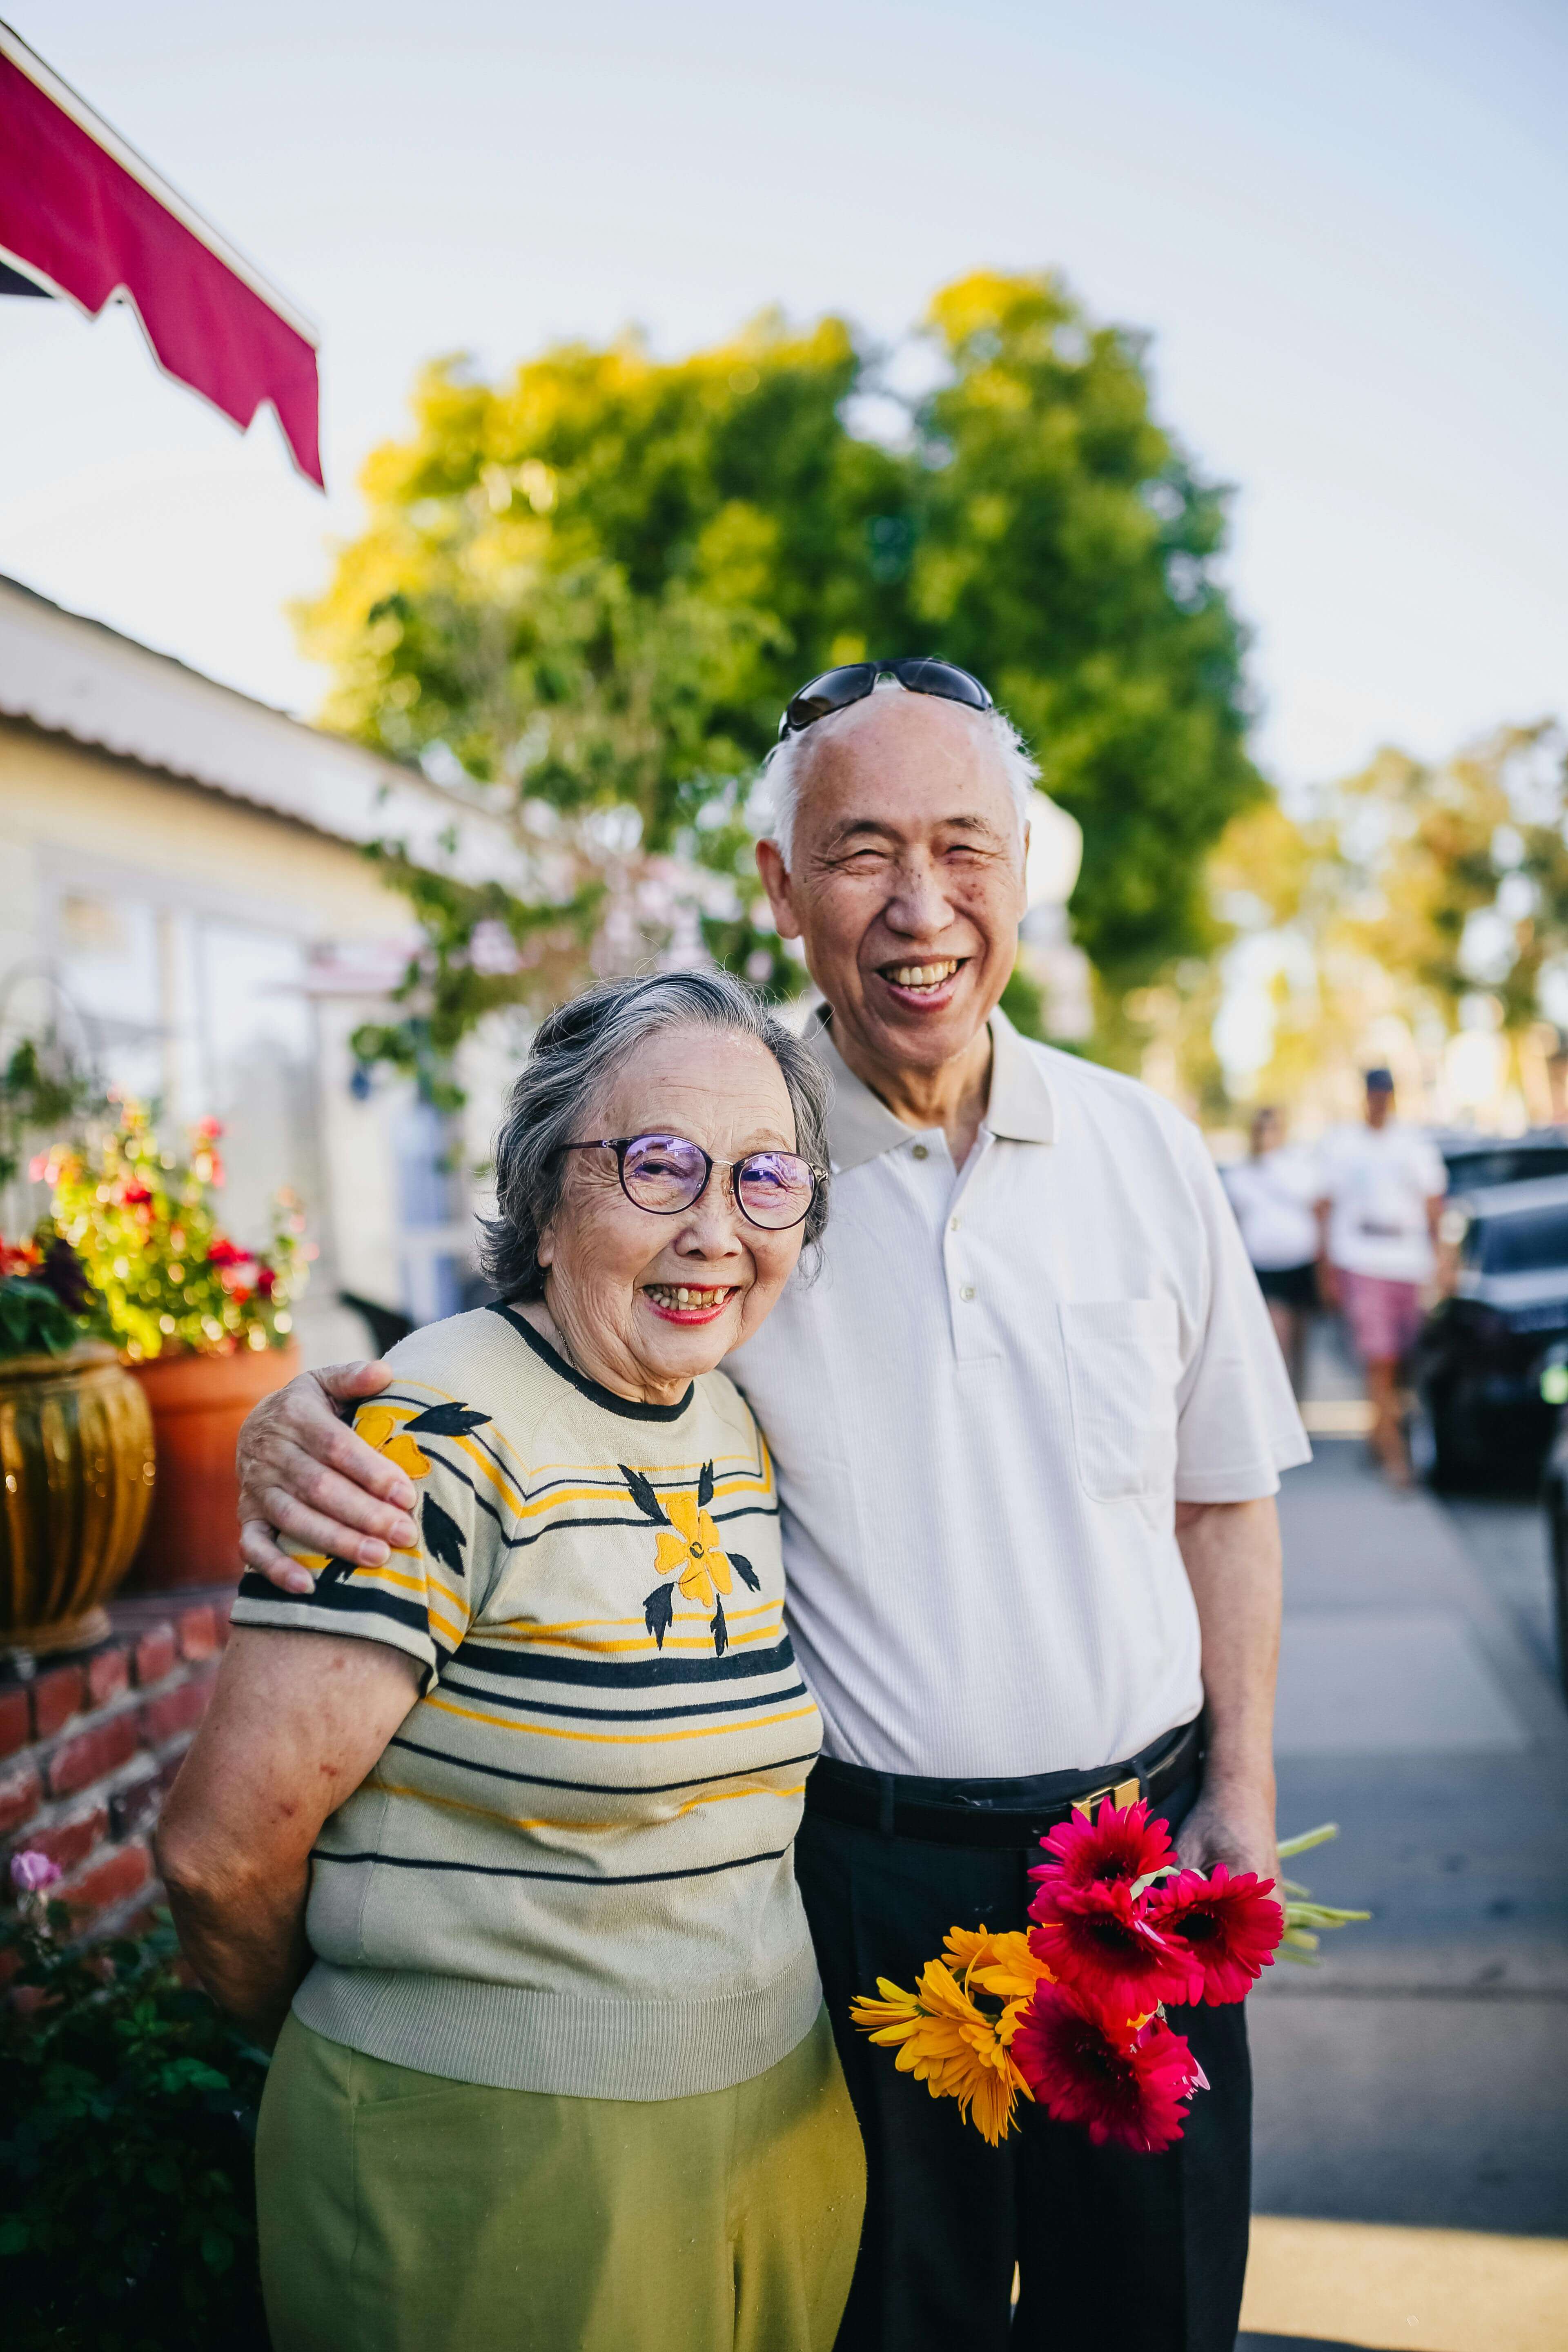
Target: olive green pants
x=400 y=2212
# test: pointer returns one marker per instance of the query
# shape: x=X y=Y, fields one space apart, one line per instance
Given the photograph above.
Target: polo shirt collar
x=861 y=1127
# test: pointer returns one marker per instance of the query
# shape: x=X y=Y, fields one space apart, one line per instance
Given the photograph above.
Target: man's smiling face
x=906 y=881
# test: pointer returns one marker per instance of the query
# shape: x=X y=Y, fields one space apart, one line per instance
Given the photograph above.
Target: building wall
x=264 y=944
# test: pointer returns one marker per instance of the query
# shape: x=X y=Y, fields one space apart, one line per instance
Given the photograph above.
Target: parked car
x=1475 y=1163
x=1478 y=1368
x=1554 y=1494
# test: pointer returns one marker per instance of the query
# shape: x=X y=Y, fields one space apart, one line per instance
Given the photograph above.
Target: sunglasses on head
x=835 y=689
x=666 y=1173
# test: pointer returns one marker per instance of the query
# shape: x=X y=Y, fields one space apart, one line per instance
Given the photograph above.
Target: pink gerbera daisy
x=1228 y=1926
x=1122 y=1843
x=1098 y=1939
x=1125 y=2081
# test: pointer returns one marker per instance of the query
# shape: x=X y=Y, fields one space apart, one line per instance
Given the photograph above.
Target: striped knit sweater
x=570 y=1870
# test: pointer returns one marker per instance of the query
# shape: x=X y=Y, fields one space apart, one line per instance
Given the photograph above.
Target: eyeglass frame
x=621 y=1144
x=876 y=669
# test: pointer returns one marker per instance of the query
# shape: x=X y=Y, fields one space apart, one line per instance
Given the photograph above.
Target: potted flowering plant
x=76 y=1440
x=204 y=1323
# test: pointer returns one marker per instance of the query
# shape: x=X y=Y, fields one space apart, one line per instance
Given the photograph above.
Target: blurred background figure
x=1273 y=1193
x=1381 y=1190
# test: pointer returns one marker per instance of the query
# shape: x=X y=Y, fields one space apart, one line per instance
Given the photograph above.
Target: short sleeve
x=1237 y=1426
x=1431 y=1168
x=420 y=1601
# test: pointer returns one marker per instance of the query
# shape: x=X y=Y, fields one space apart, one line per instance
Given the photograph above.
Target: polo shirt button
x=968 y=1291
x=919 y=1152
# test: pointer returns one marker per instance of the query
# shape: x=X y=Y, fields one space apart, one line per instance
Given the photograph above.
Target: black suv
x=1478 y=1362
x=1475 y=1162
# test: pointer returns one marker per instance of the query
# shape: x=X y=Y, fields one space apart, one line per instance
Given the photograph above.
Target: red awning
x=82 y=216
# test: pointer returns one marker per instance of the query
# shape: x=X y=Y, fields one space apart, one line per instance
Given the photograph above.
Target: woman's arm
x=296 y=1723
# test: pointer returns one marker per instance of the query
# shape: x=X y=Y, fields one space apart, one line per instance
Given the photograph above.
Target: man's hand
x=1235 y=1826
x=302 y=1473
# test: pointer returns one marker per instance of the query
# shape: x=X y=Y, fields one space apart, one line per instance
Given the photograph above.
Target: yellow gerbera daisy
x=948 y=2043
x=1003 y=1965
x=691 y=1543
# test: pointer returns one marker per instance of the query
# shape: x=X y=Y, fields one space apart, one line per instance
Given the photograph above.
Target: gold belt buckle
x=1122 y=1793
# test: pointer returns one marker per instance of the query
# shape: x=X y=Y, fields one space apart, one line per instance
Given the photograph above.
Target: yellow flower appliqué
x=381 y=1429
x=691 y=1544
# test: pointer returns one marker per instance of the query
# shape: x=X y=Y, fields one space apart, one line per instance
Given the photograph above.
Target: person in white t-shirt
x=1273 y=1193
x=1381 y=1189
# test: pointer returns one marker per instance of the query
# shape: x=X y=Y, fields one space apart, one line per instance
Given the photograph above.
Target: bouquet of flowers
x=1070 y=2013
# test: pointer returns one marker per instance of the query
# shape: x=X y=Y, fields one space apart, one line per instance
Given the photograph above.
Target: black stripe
x=606 y=1398
x=624 y=1714
x=561 y=1877
x=601 y=1788
x=638 y=1673
x=356 y=1599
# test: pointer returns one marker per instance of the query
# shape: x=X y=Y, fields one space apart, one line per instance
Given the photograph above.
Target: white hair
x=781 y=771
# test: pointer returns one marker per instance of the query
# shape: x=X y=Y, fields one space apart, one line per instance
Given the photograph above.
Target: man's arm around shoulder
x=302 y=1473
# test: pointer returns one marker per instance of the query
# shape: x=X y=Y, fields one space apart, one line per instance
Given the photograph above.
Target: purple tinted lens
x=773 y=1188
x=664 y=1173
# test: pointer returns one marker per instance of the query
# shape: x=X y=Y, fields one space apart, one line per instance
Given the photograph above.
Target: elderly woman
x=495 y=1839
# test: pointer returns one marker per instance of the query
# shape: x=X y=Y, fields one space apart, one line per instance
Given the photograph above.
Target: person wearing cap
x=1028 y=1427
x=1380 y=1194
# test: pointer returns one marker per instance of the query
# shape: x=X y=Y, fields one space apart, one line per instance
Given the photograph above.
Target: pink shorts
x=1384 y=1317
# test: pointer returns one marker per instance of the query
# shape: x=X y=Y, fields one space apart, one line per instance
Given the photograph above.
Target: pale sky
x=1341 y=222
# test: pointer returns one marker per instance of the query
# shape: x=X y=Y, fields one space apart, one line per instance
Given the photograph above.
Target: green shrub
x=127 y=2120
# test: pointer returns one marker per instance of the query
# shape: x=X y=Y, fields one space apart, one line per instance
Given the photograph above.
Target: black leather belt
x=1000 y=1814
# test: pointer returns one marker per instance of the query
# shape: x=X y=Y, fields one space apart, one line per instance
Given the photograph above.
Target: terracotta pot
x=76 y=1450
x=197 y=1406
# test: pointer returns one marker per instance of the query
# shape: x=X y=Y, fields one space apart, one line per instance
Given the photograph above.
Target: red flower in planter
x=1124 y=2081
x=1122 y=1843
x=1229 y=1927
x=1097 y=1939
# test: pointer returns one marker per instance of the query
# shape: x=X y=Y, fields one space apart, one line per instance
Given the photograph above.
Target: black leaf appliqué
x=444 y=1538
x=444 y=1421
x=744 y=1570
x=705 y=1485
x=720 y=1631
x=658 y=1609
x=643 y=1495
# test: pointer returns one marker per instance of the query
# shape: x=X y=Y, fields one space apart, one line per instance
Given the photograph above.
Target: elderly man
x=1028 y=1427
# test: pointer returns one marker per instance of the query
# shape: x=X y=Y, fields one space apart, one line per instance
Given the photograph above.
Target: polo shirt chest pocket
x=1123 y=1365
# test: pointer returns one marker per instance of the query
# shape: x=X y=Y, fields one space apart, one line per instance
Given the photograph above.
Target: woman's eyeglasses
x=835 y=689
x=664 y=1173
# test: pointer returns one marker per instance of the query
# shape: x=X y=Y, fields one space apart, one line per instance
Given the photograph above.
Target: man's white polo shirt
x=983 y=1410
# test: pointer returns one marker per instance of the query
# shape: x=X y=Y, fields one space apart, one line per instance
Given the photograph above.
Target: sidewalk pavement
x=1418 y=2080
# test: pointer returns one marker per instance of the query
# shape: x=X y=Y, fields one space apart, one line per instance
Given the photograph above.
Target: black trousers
x=1117 y=2253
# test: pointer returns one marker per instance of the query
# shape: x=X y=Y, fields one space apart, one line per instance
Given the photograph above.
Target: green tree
x=594 y=585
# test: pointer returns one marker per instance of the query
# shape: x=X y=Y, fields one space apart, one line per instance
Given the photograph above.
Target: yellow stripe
x=516 y=1821
x=527 y=1632
x=672 y=1642
x=749 y=1484
x=417 y=1584
x=617 y=1738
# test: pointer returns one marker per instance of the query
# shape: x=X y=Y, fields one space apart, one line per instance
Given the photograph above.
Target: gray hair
x=581 y=1045
x=783 y=769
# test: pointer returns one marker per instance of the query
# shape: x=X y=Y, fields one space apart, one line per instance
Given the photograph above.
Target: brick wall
x=89 y=1745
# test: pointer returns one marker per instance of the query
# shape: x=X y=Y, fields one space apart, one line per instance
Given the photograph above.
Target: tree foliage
x=1411 y=892
x=594 y=585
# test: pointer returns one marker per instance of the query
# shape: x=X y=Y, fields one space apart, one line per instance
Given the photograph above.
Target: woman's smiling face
x=615 y=1274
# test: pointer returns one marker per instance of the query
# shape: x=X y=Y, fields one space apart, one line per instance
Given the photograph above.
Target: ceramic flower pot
x=75 y=1452
x=198 y=1404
